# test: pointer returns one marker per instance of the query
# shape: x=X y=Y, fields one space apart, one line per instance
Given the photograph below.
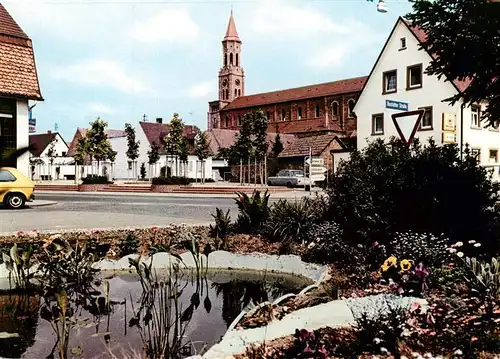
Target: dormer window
x=402 y=42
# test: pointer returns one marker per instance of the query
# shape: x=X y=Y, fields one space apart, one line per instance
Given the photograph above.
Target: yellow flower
x=406 y=264
x=389 y=262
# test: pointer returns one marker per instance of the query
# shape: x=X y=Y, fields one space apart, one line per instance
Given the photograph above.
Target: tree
x=173 y=141
x=202 y=151
x=98 y=146
x=242 y=151
x=463 y=37
x=132 y=147
x=184 y=155
x=277 y=146
x=389 y=187
x=143 y=171
x=51 y=153
x=260 y=145
x=153 y=155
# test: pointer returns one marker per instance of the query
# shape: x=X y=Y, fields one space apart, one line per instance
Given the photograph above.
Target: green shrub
x=221 y=229
x=290 y=220
x=95 y=179
x=183 y=181
x=253 y=212
x=389 y=187
x=128 y=245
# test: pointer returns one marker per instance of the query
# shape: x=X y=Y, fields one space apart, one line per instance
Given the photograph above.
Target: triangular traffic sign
x=407 y=124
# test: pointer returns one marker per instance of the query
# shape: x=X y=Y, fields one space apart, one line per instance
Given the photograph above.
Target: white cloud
x=282 y=19
x=329 y=57
x=101 y=73
x=100 y=108
x=171 y=25
x=202 y=89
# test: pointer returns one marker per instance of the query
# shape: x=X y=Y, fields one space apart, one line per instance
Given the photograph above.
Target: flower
x=415 y=306
x=477 y=245
x=452 y=250
x=472 y=241
x=375 y=244
x=460 y=254
x=154 y=228
x=458 y=244
x=406 y=264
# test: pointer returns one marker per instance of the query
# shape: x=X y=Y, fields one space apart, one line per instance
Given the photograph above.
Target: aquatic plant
x=221 y=229
x=19 y=264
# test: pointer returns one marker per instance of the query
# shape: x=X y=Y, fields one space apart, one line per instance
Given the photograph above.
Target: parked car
x=289 y=178
x=15 y=188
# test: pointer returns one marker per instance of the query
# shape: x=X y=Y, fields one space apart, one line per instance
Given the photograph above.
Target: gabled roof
x=155 y=132
x=302 y=146
x=420 y=36
x=351 y=85
x=18 y=74
x=222 y=138
x=40 y=141
x=81 y=132
x=231 y=33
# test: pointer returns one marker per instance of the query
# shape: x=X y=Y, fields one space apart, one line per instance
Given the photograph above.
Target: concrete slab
x=40 y=203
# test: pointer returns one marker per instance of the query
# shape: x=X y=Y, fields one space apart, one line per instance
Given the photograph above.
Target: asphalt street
x=96 y=210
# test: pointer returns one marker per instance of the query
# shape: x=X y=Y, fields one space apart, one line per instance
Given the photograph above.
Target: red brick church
x=325 y=108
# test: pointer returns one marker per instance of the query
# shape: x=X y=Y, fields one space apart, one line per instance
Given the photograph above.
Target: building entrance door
x=8 y=131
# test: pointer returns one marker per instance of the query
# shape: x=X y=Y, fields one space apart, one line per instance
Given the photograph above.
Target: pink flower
x=154 y=228
x=19 y=233
x=415 y=306
x=375 y=244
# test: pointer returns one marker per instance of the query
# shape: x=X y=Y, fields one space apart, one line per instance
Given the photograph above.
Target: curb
x=40 y=203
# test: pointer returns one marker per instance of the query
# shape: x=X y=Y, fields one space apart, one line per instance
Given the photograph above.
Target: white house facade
x=49 y=158
x=397 y=83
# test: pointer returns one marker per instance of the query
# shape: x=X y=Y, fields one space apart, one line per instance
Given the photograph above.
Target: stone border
x=164 y=188
x=92 y=187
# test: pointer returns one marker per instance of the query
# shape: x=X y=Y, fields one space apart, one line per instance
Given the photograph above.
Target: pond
x=111 y=318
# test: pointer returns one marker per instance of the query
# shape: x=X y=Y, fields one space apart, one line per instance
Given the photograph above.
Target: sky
x=122 y=59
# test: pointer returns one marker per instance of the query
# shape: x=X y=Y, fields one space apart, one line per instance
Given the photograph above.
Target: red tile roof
x=299 y=93
x=18 y=75
x=231 y=33
x=40 y=141
x=421 y=36
x=301 y=145
x=222 y=138
x=155 y=132
x=305 y=126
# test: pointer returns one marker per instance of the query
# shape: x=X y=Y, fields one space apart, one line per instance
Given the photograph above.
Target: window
x=239 y=92
x=317 y=110
x=414 y=77
x=237 y=60
x=476 y=153
x=6 y=176
x=129 y=165
x=350 y=105
x=402 y=41
x=231 y=58
x=225 y=60
x=378 y=124
x=390 y=82
x=235 y=93
x=335 y=108
x=283 y=115
x=268 y=115
x=63 y=154
x=227 y=121
x=299 y=113
x=475 y=116
x=494 y=156
x=426 y=123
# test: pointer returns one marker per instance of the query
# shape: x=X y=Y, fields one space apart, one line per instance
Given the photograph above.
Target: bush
x=421 y=247
x=182 y=181
x=389 y=187
x=253 y=212
x=290 y=220
x=95 y=179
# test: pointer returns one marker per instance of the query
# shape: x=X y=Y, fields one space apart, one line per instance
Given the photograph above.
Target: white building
x=397 y=83
x=18 y=85
x=49 y=157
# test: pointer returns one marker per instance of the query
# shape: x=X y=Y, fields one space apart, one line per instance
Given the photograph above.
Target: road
x=91 y=210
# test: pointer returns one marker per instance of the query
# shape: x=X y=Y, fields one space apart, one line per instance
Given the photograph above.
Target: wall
x=308 y=122
x=22 y=129
x=372 y=101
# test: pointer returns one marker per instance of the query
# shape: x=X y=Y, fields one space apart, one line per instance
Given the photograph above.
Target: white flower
x=458 y=352
x=460 y=254
x=452 y=250
x=377 y=340
x=459 y=244
x=472 y=241
x=477 y=245
x=383 y=350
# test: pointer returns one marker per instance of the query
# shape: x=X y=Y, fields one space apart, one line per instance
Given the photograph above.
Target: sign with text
x=396 y=105
x=449 y=121
x=32 y=125
x=449 y=137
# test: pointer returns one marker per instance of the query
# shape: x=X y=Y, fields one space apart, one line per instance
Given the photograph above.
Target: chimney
x=49 y=132
x=159 y=120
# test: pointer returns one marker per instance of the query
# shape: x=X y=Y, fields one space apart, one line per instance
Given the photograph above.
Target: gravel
x=376 y=305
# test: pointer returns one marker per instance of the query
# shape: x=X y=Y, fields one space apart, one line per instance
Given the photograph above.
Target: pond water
x=97 y=334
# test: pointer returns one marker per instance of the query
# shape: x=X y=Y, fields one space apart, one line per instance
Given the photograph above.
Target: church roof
x=231 y=32
x=18 y=75
x=299 y=93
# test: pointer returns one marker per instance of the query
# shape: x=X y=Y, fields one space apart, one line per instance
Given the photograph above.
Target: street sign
x=396 y=105
x=316 y=161
x=318 y=169
x=407 y=124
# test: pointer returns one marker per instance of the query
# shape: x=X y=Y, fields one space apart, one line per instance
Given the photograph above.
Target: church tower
x=231 y=74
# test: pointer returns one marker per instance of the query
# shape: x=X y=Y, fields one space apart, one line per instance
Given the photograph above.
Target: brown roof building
x=320 y=108
x=18 y=85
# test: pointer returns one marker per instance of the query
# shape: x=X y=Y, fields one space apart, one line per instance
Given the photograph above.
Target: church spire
x=231 y=32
